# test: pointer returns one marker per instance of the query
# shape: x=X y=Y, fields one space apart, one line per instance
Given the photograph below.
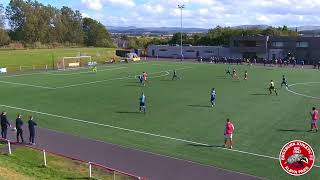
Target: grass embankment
x=27 y=164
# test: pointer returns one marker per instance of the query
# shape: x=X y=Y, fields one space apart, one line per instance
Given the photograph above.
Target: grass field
x=27 y=164
x=178 y=110
x=13 y=59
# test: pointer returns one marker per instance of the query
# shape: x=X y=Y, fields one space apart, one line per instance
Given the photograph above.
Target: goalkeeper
x=95 y=69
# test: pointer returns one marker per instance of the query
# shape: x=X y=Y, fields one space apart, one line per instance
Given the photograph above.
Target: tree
x=95 y=34
x=4 y=37
x=2 y=17
x=72 y=25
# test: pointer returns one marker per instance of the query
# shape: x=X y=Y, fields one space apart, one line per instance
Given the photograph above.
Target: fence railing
x=92 y=166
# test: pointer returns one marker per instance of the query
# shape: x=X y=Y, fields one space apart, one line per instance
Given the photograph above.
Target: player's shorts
x=228 y=136
x=142 y=104
x=272 y=88
x=314 y=121
x=213 y=99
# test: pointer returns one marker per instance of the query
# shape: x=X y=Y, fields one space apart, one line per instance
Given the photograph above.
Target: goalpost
x=73 y=62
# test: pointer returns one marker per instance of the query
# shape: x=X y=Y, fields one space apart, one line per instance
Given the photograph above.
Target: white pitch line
x=120 y=78
x=304 y=95
x=141 y=132
x=29 y=85
x=106 y=80
x=85 y=72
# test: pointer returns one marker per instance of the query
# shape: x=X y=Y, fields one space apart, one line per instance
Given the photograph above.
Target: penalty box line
x=140 y=132
x=88 y=83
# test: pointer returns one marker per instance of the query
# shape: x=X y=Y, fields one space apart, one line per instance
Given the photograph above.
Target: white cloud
x=93 y=4
x=85 y=15
x=209 y=13
x=98 y=5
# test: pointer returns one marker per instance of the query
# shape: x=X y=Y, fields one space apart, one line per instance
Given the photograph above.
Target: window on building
x=163 y=50
x=190 y=51
x=302 y=44
x=277 y=44
x=236 y=43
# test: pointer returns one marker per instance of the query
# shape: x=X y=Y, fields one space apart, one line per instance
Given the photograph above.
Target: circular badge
x=296 y=158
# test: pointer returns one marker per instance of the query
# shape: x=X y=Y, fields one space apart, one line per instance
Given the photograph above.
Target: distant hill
x=163 y=30
x=172 y=30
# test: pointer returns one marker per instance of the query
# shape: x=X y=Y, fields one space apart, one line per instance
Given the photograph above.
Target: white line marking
x=84 y=72
x=106 y=80
x=304 y=95
x=140 y=132
x=30 y=85
x=121 y=78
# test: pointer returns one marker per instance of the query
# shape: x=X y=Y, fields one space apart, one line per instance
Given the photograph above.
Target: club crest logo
x=296 y=158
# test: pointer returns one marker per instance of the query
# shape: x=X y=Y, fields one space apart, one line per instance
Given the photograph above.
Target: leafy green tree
x=95 y=33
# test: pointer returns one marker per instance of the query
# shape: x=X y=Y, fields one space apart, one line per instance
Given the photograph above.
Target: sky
x=197 y=13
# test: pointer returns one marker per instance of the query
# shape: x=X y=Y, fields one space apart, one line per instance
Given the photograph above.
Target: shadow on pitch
x=206 y=146
x=292 y=130
x=200 y=106
x=128 y=112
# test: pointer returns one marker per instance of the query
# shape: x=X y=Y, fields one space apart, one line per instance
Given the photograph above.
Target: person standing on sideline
x=32 y=131
x=4 y=125
x=19 y=124
x=228 y=133
x=314 y=119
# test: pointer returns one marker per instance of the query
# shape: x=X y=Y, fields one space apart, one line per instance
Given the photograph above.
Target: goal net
x=73 y=62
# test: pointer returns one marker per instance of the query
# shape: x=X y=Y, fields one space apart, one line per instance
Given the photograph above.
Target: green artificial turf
x=26 y=59
x=177 y=109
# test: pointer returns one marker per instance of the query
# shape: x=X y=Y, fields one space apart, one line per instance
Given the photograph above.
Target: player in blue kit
x=142 y=100
x=284 y=82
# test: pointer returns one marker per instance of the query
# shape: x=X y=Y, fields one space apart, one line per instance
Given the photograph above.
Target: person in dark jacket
x=32 y=132
x=19 y=124
x=4 y=125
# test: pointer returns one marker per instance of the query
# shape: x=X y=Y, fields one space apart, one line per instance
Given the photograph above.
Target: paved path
x=148 y=165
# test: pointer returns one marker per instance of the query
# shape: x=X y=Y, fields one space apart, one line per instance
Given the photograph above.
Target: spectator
x=32 y=132
x=318 y=64
x=4 y=125
x=19 y=124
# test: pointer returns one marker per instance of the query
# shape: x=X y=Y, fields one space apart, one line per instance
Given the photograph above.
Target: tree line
x=221 y=35
x=33 y=22
x=215 y=37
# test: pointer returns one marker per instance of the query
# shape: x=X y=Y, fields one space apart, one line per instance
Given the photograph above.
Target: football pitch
x=180 y=121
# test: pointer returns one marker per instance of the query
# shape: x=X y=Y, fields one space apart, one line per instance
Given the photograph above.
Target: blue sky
x=198 y=13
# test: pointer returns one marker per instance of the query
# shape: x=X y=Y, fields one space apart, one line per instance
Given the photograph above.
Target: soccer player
x=314 y=119
x=246 y=75
x=95 y=69
x=145 y=76
x=228 y=133
x=228 y=71
x=284 y=82
x=234 y=74
x=213 y=97
x=140 y=77
x=175 y=76
x=272 y=88
x=142 y=103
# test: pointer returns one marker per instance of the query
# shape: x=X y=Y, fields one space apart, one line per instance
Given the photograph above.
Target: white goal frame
x=77 y=58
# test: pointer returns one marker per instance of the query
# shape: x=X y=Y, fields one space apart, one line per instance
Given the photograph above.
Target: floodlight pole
x=181 y=7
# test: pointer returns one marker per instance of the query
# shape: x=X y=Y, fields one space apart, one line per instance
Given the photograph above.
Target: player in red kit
x=228 y=133
x=314 y=119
